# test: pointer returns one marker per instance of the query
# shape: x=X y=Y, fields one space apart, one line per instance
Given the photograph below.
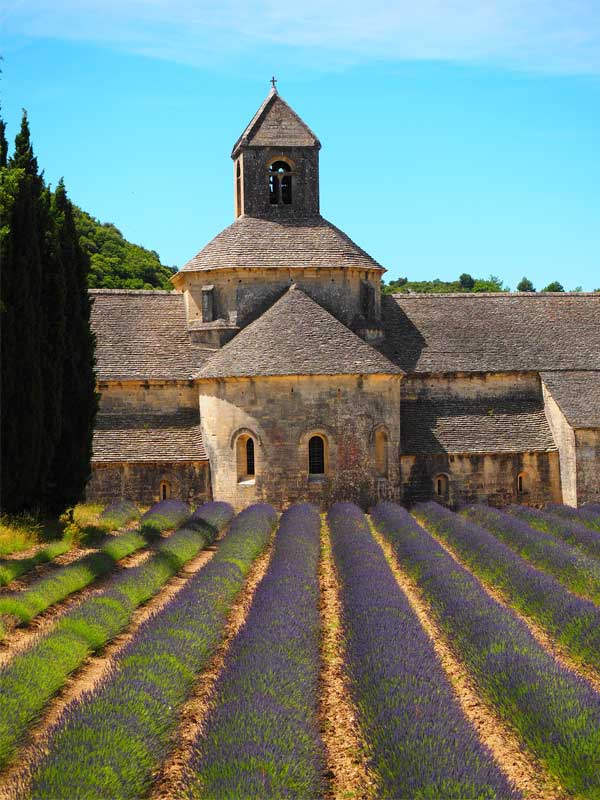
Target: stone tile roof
x=276 y=124
x=498 y=425
x=493 y=332
x=141 y=335
x=577 y=395
x=296 y=336
x=130 y=436
x=255 y=242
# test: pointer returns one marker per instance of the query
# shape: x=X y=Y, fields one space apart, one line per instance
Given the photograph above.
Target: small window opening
x=521 y=482
x=381 y=453
x=246 y=460
x=209 y=311
x=367 y=300
x=238 y=190
x=316 y=456
x=165 y=490
x=280 y=183
x=250 y=457
x=440 y=483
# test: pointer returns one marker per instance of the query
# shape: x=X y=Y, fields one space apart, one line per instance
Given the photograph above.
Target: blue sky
x=457 y=136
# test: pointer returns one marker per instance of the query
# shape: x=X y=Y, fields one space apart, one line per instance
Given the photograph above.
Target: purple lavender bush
x=570 y=531
x=584 y=515
x=420 y=743
x=572 y=620
x=118 y=514
x=262 y=738
x=556 y=712
x=28 y=682
x=163 y=516
x=577 y=571
x=110 y=742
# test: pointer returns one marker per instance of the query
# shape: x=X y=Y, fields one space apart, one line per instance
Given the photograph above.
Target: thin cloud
x=560 y=36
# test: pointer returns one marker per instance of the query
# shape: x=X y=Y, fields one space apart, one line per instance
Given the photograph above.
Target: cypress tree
x=3 y=144
x=71 y=468
x=22 y=391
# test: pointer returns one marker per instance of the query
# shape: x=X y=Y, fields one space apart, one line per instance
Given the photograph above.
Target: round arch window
x=316 y=455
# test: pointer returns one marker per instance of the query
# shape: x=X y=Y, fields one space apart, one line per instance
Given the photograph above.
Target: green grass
x=14 y=567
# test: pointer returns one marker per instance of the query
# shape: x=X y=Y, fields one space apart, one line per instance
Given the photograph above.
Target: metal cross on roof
x=273 y=82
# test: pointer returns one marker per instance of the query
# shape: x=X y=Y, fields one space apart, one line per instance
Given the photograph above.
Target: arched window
x=238 y=189
x=440 y=486
x=522 y=482
x=381 y=453
x=245 y=457
x=316 y=455
x=280 y=183
x=164 y=491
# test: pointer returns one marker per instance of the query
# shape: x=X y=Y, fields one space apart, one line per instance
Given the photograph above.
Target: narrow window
x=381 y=453
x=367 y=300
x=440 y=483
x=165 y=490
x=208 y=304
x=521 y=482
x=280 y=183
x=250 y=456
x=245 y=458
x=316 y=456
x=238 y=189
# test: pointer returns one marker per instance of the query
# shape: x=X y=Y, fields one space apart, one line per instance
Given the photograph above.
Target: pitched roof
x=276 y=124
x=141 y=335
x=131 y=436
x=296 y=336
x=493 y=332
x=440 y=425
x=577 y=394
x=255 y=242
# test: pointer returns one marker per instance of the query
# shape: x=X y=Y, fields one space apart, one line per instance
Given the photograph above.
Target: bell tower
x=276 y=165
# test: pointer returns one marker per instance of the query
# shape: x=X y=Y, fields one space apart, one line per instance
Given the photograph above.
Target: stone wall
x=140 y=482
x=242 y=295
x=474 y=385
x=165 y=397
x=587 y=444
x=254 y=163
x=282 y=413
x=564 y=436
x=482 y=478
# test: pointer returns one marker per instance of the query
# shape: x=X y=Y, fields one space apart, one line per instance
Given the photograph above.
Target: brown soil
x=15 y=781
x=517 y=763
x=171 y=779
x=27 y=578
x=555 y=649
x=347 y=774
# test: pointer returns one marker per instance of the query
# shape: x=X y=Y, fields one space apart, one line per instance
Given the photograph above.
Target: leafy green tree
x=525 y=285
x=22 y=328
x=466 y=281
x=555 y=286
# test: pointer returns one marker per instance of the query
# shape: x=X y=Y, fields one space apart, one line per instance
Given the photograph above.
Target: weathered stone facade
x=278 y=372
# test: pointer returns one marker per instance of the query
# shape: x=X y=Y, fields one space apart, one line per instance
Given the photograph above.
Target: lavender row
x=111 y=742
x=118 y=514
x=28 y=682
x=577 y=571
x=262 y=738
x=556 y=713
x=572 y=620
x=584 y=515
x=420 y=743
x=574 y=533
x=163 y=516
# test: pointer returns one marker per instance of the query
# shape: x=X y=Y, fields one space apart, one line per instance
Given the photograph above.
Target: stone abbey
x=276 y=370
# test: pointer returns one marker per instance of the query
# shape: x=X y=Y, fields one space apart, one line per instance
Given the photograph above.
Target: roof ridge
x=135 y=291
x=531 y=295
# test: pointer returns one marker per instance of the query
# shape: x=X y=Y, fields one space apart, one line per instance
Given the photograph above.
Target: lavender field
x=427 y=654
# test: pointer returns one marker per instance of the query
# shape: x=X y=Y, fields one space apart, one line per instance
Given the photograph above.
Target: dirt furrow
x=15 y=781
x=170 y=781
x=23 y=581
x=517 y=763
x=348 y=774
x=542 y=638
